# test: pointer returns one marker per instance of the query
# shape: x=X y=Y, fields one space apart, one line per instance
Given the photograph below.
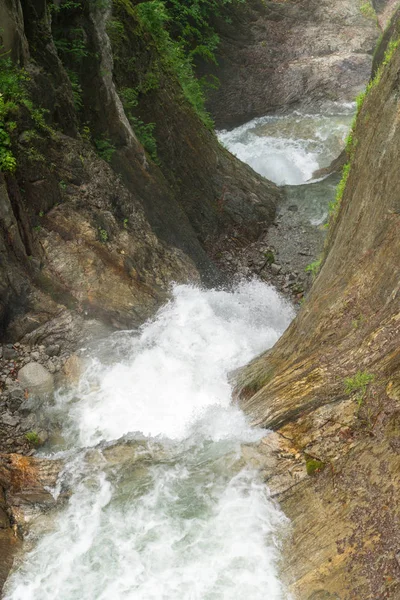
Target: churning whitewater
x=288 y=149
x=162 y=504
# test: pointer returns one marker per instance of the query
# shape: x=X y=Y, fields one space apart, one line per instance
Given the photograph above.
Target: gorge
x=140 y=263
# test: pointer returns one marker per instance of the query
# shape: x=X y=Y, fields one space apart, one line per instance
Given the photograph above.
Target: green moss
x=314 y=466
x=368 y=11
x=334 y=206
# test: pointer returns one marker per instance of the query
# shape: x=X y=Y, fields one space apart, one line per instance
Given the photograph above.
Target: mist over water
x=171 y=511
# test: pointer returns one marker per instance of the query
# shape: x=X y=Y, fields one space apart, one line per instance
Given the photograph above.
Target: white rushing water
x=287 y=149
x=171 y=512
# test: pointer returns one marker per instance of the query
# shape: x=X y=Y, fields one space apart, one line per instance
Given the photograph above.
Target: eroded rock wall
x=106 y=240
x=280 y=55
x=330 y=386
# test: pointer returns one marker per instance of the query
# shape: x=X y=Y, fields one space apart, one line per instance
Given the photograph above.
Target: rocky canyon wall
x=330 y=386
x=91 y=221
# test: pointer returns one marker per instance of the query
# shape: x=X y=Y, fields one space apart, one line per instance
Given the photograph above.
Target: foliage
x=368 y=10
x=314 y=267
x=191 y=23
x=154 y=17
x=14 y=98
x=103 y=235
x=269 y=257
x=358 y=384
x=74 y=45
x=33 y=438
x=334 y=206
x=12 y=94
x=76 y=89
x=105 y=149
x=144 y=131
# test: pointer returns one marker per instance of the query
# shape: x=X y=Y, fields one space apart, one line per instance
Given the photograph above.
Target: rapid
x=161 y=502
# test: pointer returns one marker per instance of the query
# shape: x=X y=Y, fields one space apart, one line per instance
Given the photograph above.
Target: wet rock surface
x=276 y=55
x=282 y=254
x=307 y=388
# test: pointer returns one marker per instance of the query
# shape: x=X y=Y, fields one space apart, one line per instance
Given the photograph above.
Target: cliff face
x=106 y=240
x=331 y=385
x=277 y=55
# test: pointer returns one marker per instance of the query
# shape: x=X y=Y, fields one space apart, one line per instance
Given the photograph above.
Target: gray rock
x=9 y=419
x=276 y=269
x=9 y=353
x=36 y=379
x=53 y=350
x=35 y=355
x=50 y=366
x=16 y=393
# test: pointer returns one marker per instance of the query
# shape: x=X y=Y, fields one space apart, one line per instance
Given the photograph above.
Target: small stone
x=16 y=393
x=9 y=419
x=276 y=269
x=9 y=353
x=53 y=350
x=35 y=355
x=293 y=208
x=50 y=366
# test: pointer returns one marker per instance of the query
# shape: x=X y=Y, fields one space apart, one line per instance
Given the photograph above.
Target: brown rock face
x=23 y=497
x=279 y=54
x=106 y=241
x=330 y=386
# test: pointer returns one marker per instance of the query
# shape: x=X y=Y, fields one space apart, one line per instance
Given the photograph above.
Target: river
x=162 y=505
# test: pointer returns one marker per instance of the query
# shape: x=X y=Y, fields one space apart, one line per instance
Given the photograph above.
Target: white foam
x=288 y=149
x=180 y=363
x=194 y=524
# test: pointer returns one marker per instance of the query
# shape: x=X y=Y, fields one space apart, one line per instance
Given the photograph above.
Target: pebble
x=9 y=419
x=53 y=350
x=276 y=269
x=9 y=353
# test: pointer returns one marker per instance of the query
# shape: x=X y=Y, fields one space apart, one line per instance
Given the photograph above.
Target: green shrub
x=14 y=98
x=105 y=149
x=33 y=438
x=358 y=385
x=314 y=267
x=103 y=235
x=144 y=131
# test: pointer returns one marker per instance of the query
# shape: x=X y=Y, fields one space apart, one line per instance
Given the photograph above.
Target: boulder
x=36 y=379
